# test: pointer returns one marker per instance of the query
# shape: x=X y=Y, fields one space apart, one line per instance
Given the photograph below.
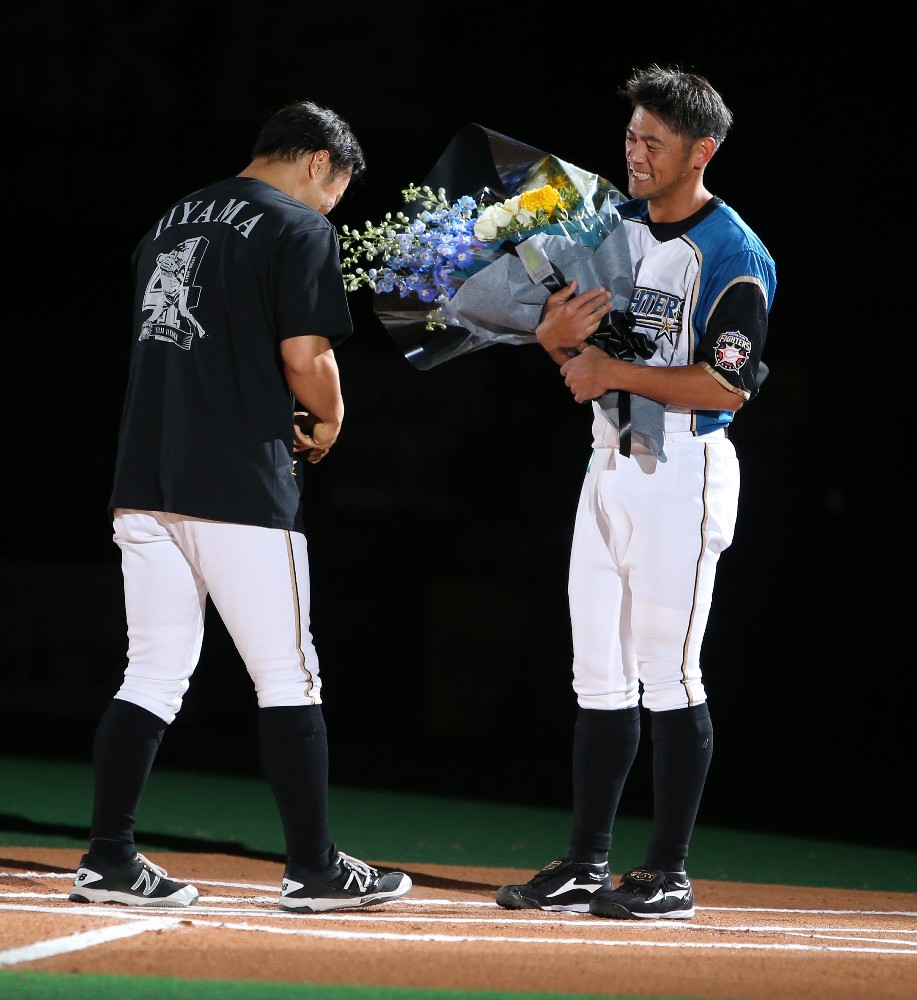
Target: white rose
x=490 y=220
x=524 y=218
x=502 y=215
x=485 y=228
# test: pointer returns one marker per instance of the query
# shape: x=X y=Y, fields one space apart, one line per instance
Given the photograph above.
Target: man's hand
x=312 y=374
x=592 y=373
x=313 y=436
x=568 y=319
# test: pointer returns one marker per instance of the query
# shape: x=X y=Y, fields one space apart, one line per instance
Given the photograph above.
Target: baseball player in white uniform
x=649 y=530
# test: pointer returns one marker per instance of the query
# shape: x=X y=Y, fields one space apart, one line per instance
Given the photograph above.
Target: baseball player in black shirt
x=239 y=303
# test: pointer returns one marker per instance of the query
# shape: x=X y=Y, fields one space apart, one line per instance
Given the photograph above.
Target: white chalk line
x=362 y=915
x=273 y=897
x=82 y=941
x=558 y=918
x=138 y=920
x=85 y=940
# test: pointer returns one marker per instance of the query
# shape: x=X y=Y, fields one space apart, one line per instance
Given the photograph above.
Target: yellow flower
x=544 y=199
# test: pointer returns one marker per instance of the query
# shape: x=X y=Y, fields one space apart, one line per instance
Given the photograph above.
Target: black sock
x=125 y=746
x=294 y=755
x=682 y=748
x=604 y=748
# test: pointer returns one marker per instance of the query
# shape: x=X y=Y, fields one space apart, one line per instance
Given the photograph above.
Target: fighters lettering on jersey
x=657 y=311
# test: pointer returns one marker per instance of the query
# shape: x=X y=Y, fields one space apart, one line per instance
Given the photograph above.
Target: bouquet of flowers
x=445 y=272
x=431 y=255
x=486 y=193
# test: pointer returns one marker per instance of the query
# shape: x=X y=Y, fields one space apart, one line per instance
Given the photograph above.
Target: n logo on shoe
x=362 y=882
x=148 y=880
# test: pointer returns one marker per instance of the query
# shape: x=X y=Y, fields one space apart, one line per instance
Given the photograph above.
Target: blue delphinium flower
x=424 y=256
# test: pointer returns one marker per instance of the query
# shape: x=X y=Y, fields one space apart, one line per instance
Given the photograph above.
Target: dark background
x=439 y=525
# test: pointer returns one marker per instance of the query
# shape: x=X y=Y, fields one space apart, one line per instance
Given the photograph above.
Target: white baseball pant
x=258 y=581
x=646 y=542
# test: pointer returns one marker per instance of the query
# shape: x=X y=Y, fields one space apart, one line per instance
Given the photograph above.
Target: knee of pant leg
x=666 y=696
x=608 y=702
x=306 y=690
x=603 y=692
x=161 y=698
x=285 y=678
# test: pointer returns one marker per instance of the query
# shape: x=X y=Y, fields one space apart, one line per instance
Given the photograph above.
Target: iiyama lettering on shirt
x=191 y=212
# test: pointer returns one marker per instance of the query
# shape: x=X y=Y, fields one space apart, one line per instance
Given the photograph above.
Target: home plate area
x=746 y=941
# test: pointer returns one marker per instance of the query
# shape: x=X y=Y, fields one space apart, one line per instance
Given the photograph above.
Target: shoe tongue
x=643 y=876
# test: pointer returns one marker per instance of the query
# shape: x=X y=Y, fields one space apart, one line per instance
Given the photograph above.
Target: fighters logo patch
x=732 y=351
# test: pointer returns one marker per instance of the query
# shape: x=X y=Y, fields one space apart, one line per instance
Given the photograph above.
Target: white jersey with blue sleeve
x=703 y=289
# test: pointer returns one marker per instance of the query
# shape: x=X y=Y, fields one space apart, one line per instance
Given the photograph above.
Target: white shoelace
x=144 y=860
x=361 y=866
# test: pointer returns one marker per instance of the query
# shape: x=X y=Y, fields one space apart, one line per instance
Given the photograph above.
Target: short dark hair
x=684 y=102
x=304 y=126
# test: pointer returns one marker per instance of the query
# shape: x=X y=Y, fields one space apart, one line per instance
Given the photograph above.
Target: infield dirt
x=747 y=942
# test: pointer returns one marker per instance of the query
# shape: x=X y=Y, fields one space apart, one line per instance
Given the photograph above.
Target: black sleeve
x=310 y=296
x=734 y=339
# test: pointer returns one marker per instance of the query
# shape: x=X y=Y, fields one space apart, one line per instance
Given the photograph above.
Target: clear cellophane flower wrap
x=496 y=301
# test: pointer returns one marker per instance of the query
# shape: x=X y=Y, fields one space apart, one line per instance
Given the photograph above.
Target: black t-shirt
x=220 y=280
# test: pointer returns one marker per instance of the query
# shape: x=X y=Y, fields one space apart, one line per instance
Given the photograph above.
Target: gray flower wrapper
x=501 y=304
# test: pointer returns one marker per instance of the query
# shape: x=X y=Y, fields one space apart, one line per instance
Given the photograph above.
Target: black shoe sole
x=615 y=911
x=509 y=899
x=327 y=905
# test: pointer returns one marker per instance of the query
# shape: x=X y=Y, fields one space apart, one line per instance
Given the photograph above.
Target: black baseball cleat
x=347 y=883
x=646 y=894
x=561 y=885
x=137 y=882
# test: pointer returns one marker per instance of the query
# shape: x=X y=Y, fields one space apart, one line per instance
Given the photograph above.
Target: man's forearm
x=688 y=385
x=316 y=385
x=590 y=374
